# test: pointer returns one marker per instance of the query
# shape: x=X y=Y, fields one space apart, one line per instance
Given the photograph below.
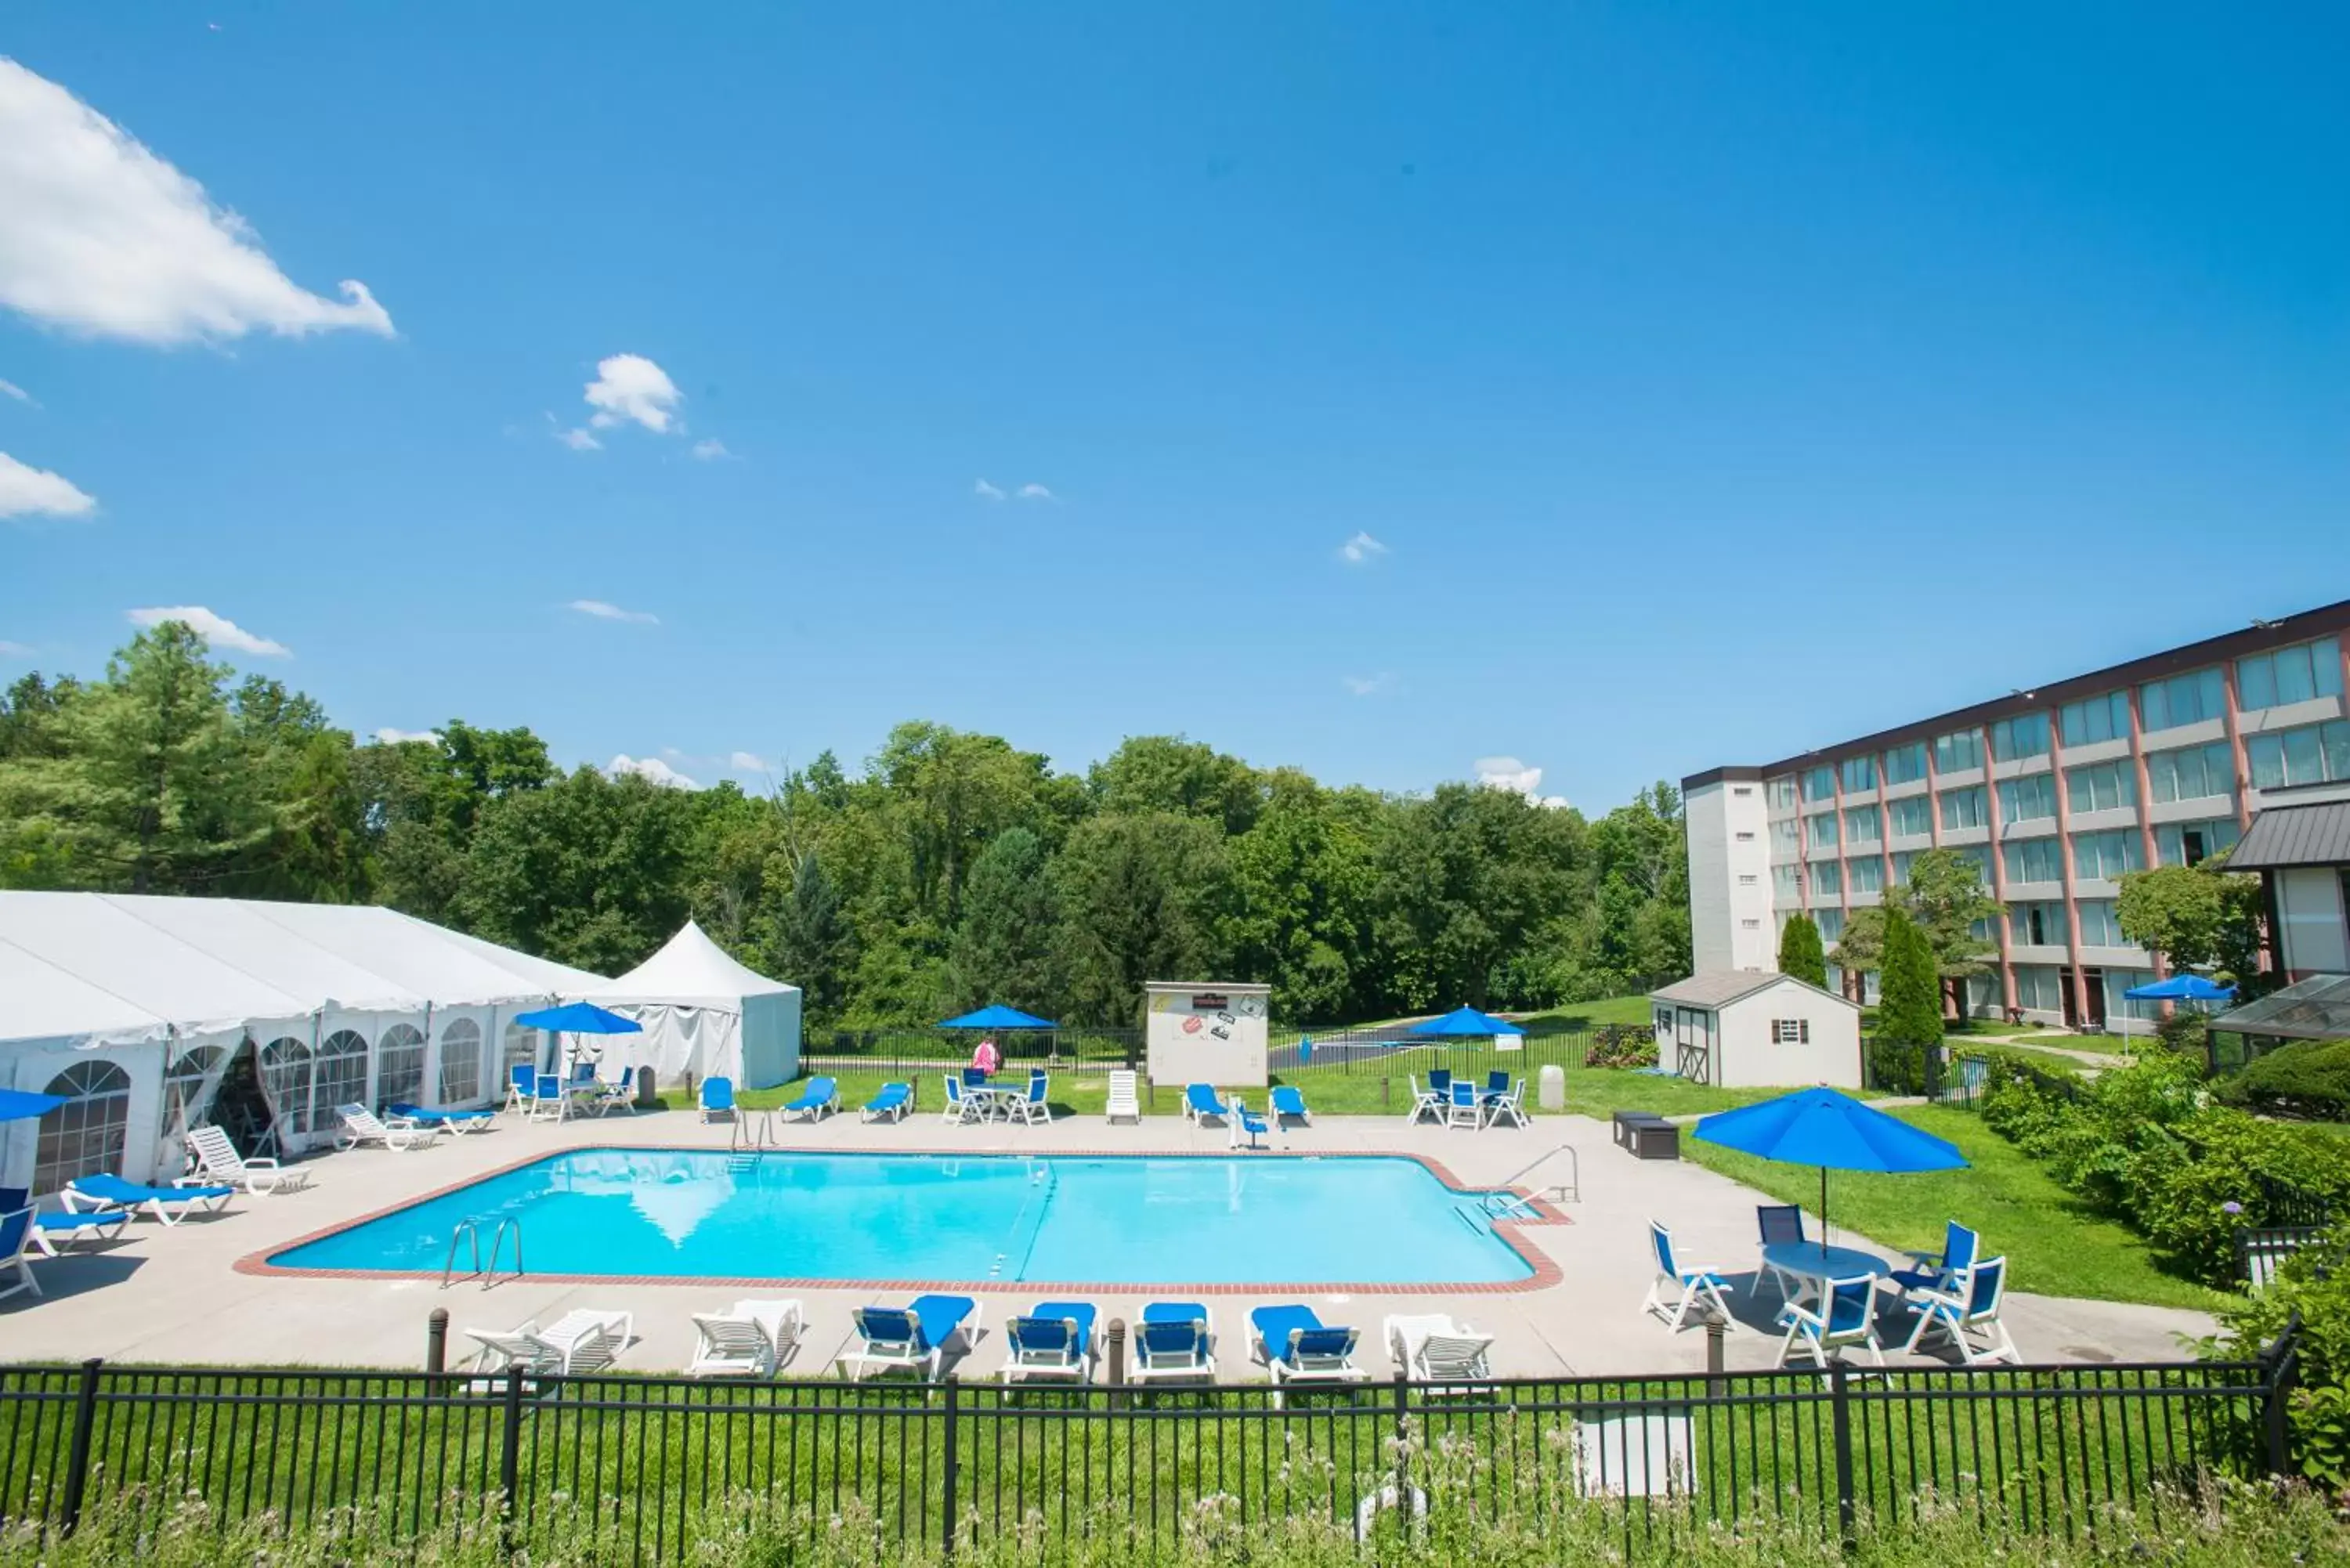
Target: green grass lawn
x=2053 y=1244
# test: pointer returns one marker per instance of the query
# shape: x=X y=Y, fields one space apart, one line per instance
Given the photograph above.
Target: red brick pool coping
x=1546 y=1274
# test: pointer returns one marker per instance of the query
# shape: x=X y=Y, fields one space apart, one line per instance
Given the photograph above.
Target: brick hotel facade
x=2054 y=792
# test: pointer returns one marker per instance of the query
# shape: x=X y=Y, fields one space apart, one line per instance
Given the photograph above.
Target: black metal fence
x=652 y=1469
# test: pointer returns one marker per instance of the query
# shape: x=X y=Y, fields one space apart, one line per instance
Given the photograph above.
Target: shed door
x=1693 y=1032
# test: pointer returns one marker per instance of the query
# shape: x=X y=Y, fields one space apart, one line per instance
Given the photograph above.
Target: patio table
x=1815 y=1262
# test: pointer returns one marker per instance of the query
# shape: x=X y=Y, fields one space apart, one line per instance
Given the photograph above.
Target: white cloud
x=1509 y=773
x=216 y=629
x=1361 y=550
x=1035 y=492
x=14 y=649
x=631 y=388
x=392 y=737
x=577 y=440
x=653 y=768
x=752 y=762
x=1378 y=685
x=27 y=490
x=710 y=448
x=10 y=390
x=103 y=237
x=603 y=611
x=986 y=491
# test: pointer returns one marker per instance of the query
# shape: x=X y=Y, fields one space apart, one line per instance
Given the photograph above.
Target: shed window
x=1791 y=1032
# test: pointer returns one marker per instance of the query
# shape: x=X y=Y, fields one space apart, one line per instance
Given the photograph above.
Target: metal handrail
x=470 y=1230
x=1574 y=1183
x=497 y=1246
x=750 y=1136
x=466 y=1229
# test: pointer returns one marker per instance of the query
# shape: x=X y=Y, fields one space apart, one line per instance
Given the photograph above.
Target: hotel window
x=1905 y=764
x=1964 y=807
x=2193 y=773
x=1821 y=830
x=1786 y=883
x=2186 y=699
x=1859 y=775
x=1827 y=878
x=1957 y=751
x=1780 y=792
x=2024 y=737
x=1901 y=864
x=1791 y=1032
x=2100 y=927
x=2290 y=675
x=1819 y=783
x=1913 y=816
x=2036 y=924
x=2028 y=799
x=2040 y=987
x=1979 y=857
x=2095 y=718
x=2105 y=856
x=2035 y=860
x=2192 y=843
x=1862 y=826
x=1787 y=838
x=2314 y=753
x=2119 y=983
x=2101 y=787
x=1831 y=925
x=1868 y=873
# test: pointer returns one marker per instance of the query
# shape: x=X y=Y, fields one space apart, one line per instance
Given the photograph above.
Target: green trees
x=1002 y=948
x=1800 y=954
x=1141 y=898
x=2195 y=917
x=1943 y=898
x=1909 y=1005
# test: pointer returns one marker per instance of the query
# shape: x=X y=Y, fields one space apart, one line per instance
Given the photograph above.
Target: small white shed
x=1740 y=1029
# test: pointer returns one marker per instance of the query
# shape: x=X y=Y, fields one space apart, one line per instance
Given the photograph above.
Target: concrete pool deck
x=178 y=1295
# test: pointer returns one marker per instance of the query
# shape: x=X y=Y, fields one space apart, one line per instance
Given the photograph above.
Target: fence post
x=1116 y=1342
x=509 y=1457
x=436 y=1350
x=2279 y=1364
x=77 y=1457
x=948 y=1470
x=1717 y=1330
x=1840 y=1420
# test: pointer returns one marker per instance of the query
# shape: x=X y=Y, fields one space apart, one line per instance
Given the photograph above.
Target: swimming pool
x=1355 y=1220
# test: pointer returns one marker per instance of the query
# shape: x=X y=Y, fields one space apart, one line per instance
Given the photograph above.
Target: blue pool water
x=1360 y=1219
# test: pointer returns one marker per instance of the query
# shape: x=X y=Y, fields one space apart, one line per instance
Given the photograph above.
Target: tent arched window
x=460 y=1061
x=339 y=1076
x=183 y=1086
x=522 y=1051
x=86 y=1135
x=400 y=1066
x=286 y=1075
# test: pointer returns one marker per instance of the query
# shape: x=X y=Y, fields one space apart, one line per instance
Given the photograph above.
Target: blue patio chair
x=1246 y=1125
x=717 y=1098
x=1497 y=1083
x=818 y=1100
x=1935 y=1271
x=1037 y=1104
x=1845 y=1314
x=1467 y=1109
x=1288 y=1101
x=1296 y=1346
x=1508 y=1100
x=522 y=1086
x=974 y=1078
x=910 y=1338
x=1055 y=1339
x=603 y=1098
x=550 y=1096
x=893 y=1103
x=960 y=1107
x=1967 y=1309
x=1692 y=1283
x=1778 y=1224
x=1174 y=1340
x=1440 y=1082
x=1200 y=1104
x=15 y=1240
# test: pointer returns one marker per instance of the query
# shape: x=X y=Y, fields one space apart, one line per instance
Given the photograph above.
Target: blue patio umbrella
x=579 y=1018
x=2180 y=988
x=22 y=1105
x=998 y=1016
x=1832 y=1131
x=1466 y=1020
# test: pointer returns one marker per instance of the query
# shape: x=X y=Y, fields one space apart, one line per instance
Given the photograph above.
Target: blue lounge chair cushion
x=113 y=1219
x=1174 y=1312
x=1202 y=1097
x=937 y=1317
x=1276 y=1325
x=718 y=1093
x=108 y=1188
x=1288 y=1101
x=1043 y=1327
x=430 y=1114
x=819 y=1092
x=891 y=1096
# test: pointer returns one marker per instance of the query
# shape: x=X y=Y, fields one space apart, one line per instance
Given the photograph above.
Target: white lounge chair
x=1174 y=1341
x=581 y=1340
x=1432 y=1348
x=362 y=1126
x=104 y=1191
x=217 y=1160
x=910 y=1338
x=752 y=1339
x=1125 y=1100
x=1694 y=1281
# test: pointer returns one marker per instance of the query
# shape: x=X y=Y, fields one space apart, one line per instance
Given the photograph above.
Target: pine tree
x=1909 y=1005
x=1800 y=954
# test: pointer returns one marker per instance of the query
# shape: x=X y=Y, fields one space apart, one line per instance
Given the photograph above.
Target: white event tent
x=137 y=1009
x=703 y=1014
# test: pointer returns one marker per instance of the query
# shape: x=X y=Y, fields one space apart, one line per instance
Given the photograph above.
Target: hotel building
x=2054 y=792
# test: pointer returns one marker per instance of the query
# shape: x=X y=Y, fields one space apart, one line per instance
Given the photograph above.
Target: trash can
x=1550 y=1092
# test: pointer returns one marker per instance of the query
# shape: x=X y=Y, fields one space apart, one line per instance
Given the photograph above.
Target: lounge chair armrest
x=75 y=1202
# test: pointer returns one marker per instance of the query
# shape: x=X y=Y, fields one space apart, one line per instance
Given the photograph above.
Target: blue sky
x=1713 y=381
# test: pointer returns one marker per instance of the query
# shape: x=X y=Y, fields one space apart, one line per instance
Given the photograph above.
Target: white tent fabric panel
x=704 y=1014
x=771 y=1039
x=417 y=957
x=689 y=969
x=88 y=938
x=242 y=936
x=43 y=1001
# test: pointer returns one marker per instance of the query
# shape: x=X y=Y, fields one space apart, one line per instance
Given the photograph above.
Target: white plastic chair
x=752 y=1339
x=361 y=1126
x=1845 y=1313
x=1124 y=1099
x=1966 y=1310
x=1693 y=1282
x=217 y=1160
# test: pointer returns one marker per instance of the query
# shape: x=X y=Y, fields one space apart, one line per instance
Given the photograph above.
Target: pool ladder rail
x=753 y=1131
x=470 y=1231
x=1503 y=1204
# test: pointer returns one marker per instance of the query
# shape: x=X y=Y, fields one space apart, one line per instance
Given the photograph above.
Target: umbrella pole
x=1824 y=1205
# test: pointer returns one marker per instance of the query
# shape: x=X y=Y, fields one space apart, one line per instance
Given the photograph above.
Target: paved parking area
x=176 y=1296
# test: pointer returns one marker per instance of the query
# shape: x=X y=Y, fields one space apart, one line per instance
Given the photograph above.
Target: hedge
x=2311 y=1078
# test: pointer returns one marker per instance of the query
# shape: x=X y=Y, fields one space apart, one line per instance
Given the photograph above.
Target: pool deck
x=198 y=1292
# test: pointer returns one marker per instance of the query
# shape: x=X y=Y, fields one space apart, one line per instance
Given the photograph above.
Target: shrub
x=1622 y=1045
x=2315 y=1284
x=2311 y=1078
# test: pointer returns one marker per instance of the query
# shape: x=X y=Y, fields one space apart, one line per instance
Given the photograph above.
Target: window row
x=2095 y=719
x=2290 y=675
x=2314 y=753
x=2186 y=699
x=2192 y=773
x=2044 y=924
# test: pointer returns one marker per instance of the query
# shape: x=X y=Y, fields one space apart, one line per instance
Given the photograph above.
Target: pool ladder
x=749 y=1136
x=1503 y=1205
x=470 y=1231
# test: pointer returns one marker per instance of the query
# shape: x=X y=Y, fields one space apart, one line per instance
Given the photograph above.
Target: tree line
x=952 y=870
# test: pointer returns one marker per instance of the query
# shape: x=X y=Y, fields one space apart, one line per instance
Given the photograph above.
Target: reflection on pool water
x=1339 y=1219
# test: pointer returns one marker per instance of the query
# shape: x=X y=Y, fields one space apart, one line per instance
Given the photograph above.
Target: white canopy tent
x=137 y=1007
x=703 y=1014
